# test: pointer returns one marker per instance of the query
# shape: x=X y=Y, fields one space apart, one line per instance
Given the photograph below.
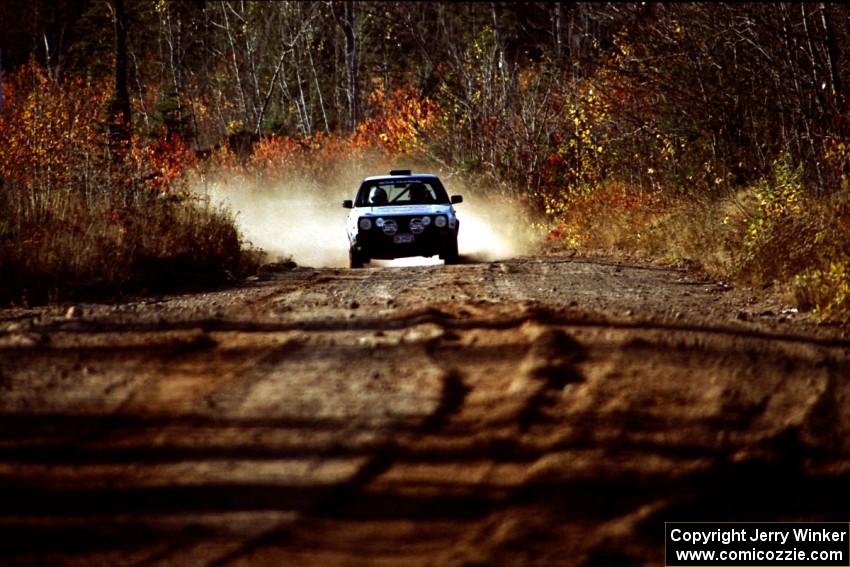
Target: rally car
x=400 y=215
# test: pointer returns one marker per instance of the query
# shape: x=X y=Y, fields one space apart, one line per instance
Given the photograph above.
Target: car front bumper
x=374 y=243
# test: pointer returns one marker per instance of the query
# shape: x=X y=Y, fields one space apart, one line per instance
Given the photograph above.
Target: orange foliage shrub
x=50 y=138
x=80 y=213
x=162 y=162
x=275 y=155
x=399 y=122
x=54 y=141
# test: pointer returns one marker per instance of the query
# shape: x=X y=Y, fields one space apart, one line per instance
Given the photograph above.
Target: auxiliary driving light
x=390 y=227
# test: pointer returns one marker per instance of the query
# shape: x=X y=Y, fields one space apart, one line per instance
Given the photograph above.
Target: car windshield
x=390 y=192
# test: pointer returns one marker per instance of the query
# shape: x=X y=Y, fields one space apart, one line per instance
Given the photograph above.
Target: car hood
x=404 y=210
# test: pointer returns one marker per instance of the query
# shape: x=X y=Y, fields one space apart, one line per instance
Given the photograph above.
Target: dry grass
x=701 y=234
x=802 y=252
x=156 y=244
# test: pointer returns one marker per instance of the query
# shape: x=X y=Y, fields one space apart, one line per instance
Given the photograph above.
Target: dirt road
x=539 y=411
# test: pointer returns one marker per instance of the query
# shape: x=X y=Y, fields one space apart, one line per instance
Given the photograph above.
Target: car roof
x=401 y=177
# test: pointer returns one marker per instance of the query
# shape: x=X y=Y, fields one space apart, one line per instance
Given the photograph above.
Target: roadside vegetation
x=84 y=214
x=710 y=135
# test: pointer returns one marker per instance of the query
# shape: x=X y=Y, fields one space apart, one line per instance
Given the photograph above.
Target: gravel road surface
x=538 y=411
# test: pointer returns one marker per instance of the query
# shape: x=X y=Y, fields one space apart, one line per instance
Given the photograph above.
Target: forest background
x=709 y=135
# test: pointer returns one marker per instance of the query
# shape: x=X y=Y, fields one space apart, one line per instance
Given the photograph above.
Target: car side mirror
x=457 y=199
x=347 y=204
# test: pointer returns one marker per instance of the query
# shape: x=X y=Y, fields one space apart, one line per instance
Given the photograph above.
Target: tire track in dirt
x=470 y=450
x=432 y=455
x=511 y=413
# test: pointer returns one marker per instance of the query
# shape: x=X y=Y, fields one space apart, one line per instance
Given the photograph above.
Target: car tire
x=356 y=259
x=450 y=254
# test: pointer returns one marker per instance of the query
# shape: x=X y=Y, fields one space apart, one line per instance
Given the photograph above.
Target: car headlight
x=364 y=224
x=426 y=221
x=440 y=221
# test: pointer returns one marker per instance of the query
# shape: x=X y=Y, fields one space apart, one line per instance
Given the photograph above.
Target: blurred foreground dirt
x=539 y=411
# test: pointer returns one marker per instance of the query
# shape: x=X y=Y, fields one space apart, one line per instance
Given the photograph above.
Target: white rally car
x=400 y=215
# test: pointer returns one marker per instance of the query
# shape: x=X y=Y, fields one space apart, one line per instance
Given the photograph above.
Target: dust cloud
x=304 y=221
x=300 y=221
x=492 y=226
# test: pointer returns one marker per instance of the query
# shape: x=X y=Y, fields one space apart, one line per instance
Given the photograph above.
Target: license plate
x=403 y=238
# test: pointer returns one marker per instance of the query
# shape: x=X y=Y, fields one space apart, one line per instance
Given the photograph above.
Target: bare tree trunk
x=284 y=88
x=122 y=95
x=240 y=87
x=832 y=52
x=258 y=129
x=307 y=121
x=171 y=53
x=815 y=80
x=349 y=29
x=119 y=111
x=556 y=15
x=318 y=89
x=800 y=112
x=250 y=50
